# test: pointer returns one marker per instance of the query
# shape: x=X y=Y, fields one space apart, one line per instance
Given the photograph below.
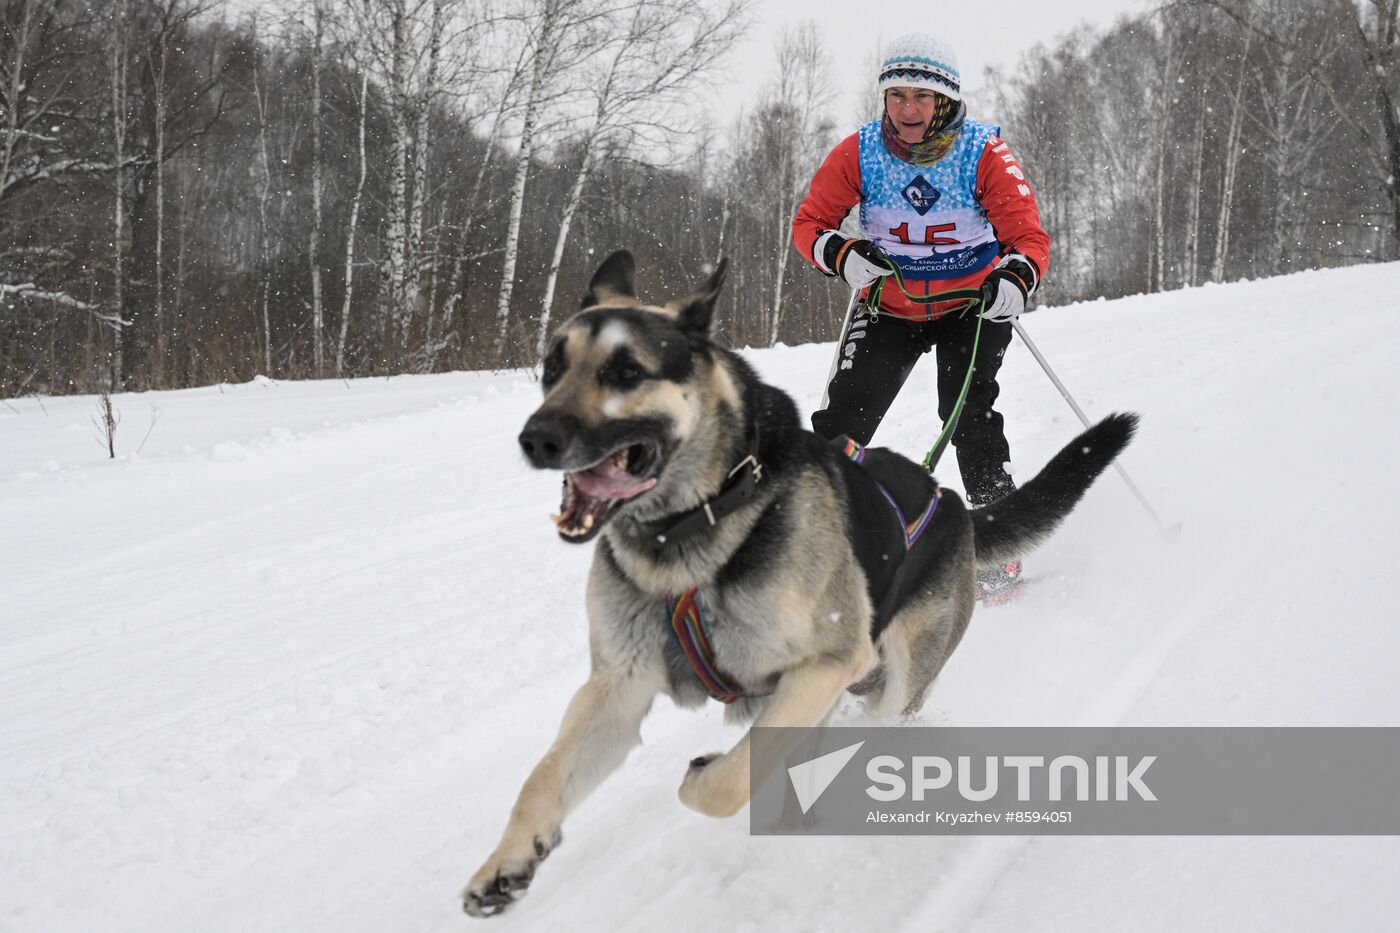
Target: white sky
x=983 y=33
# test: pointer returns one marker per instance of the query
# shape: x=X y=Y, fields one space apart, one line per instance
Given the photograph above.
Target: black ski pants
x=874 y=358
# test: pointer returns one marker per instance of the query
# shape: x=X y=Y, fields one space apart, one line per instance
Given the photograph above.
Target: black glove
x=858 y=262
x=1005 y=290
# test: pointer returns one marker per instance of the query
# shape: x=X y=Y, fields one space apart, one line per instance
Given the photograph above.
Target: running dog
x=790 y=569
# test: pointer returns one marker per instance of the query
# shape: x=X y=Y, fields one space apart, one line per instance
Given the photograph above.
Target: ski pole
x=1170 y=534
x=850 y=312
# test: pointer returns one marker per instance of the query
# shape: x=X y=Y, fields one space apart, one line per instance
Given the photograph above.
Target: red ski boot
x=1001 y=584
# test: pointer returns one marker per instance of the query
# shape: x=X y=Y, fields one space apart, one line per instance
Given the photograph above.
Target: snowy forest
x=332 y=188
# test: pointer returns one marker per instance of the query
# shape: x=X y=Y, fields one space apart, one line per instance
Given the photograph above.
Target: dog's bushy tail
x=1005 y=529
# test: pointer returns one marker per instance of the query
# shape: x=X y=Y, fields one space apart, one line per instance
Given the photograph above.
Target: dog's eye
x=553 y=365
x=621 y=373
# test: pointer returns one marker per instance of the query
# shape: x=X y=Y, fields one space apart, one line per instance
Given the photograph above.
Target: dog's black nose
x=544 y=440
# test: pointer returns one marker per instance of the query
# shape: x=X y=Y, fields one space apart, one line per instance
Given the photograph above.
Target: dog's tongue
x=607 y=481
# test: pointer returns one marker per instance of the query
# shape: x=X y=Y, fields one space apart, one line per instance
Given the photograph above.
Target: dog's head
x=625 y=387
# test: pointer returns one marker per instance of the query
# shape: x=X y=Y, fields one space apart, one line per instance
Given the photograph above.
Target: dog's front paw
x=505 y=877
x=713 y=787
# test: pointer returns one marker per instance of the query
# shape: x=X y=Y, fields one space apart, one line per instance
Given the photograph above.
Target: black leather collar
x=737 y=492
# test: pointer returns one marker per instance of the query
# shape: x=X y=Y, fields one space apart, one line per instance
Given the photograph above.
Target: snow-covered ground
x=286 y=668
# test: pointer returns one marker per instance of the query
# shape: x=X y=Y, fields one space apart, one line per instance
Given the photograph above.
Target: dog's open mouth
x=591 y=495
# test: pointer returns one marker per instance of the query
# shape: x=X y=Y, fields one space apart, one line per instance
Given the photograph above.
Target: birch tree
x=1042 y=104
x=174 y=103
x=159 y=70
x=555 y=34
x=1174 y=57
x=1232 y=157
x=264 y=193
x=387 y=29
x=661 y=50
x=1191 y=273
x=392 y=293
x=1366 y=99
x=119 y=128
x=1375 y=35
x=1294 y=118
x=470 y=248
x=352 y=226
x=42 y=101
x=1120 y=66
x=803 y=93
x=49 y=118
x=415 y=55
x=423 y=103
x=314 y=247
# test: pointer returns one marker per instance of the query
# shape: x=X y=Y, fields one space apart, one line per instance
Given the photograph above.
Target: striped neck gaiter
x=938 y=139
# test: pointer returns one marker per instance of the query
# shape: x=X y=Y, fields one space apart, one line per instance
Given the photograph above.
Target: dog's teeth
x=588 y=521
x=621 y=458
x=557 y=519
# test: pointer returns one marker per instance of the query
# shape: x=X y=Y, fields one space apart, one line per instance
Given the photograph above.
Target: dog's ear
x=697 y=314
x=615 y=278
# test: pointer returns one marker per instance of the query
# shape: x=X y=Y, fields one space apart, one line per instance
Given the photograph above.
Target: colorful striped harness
x=687 y=622
x=683 y=614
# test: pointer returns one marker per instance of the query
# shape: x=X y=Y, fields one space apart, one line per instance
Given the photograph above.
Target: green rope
x=946 y=435
x=872 y=301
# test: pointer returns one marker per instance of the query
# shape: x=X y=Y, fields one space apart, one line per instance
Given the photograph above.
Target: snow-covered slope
x=286 y=668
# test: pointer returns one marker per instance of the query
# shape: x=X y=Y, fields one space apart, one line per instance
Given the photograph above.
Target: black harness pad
x=877 y=532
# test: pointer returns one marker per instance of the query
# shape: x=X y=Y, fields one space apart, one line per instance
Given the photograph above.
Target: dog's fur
x=786 y=599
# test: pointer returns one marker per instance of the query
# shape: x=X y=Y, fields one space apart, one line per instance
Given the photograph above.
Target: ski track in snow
x=286 y=668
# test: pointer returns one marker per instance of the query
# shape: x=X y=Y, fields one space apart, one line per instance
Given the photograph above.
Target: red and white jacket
x=945 y=224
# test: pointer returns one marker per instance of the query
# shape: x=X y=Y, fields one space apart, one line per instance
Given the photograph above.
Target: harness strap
x=910 y=530
x=683 y=614
x=914 y=529
x=687 y=622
